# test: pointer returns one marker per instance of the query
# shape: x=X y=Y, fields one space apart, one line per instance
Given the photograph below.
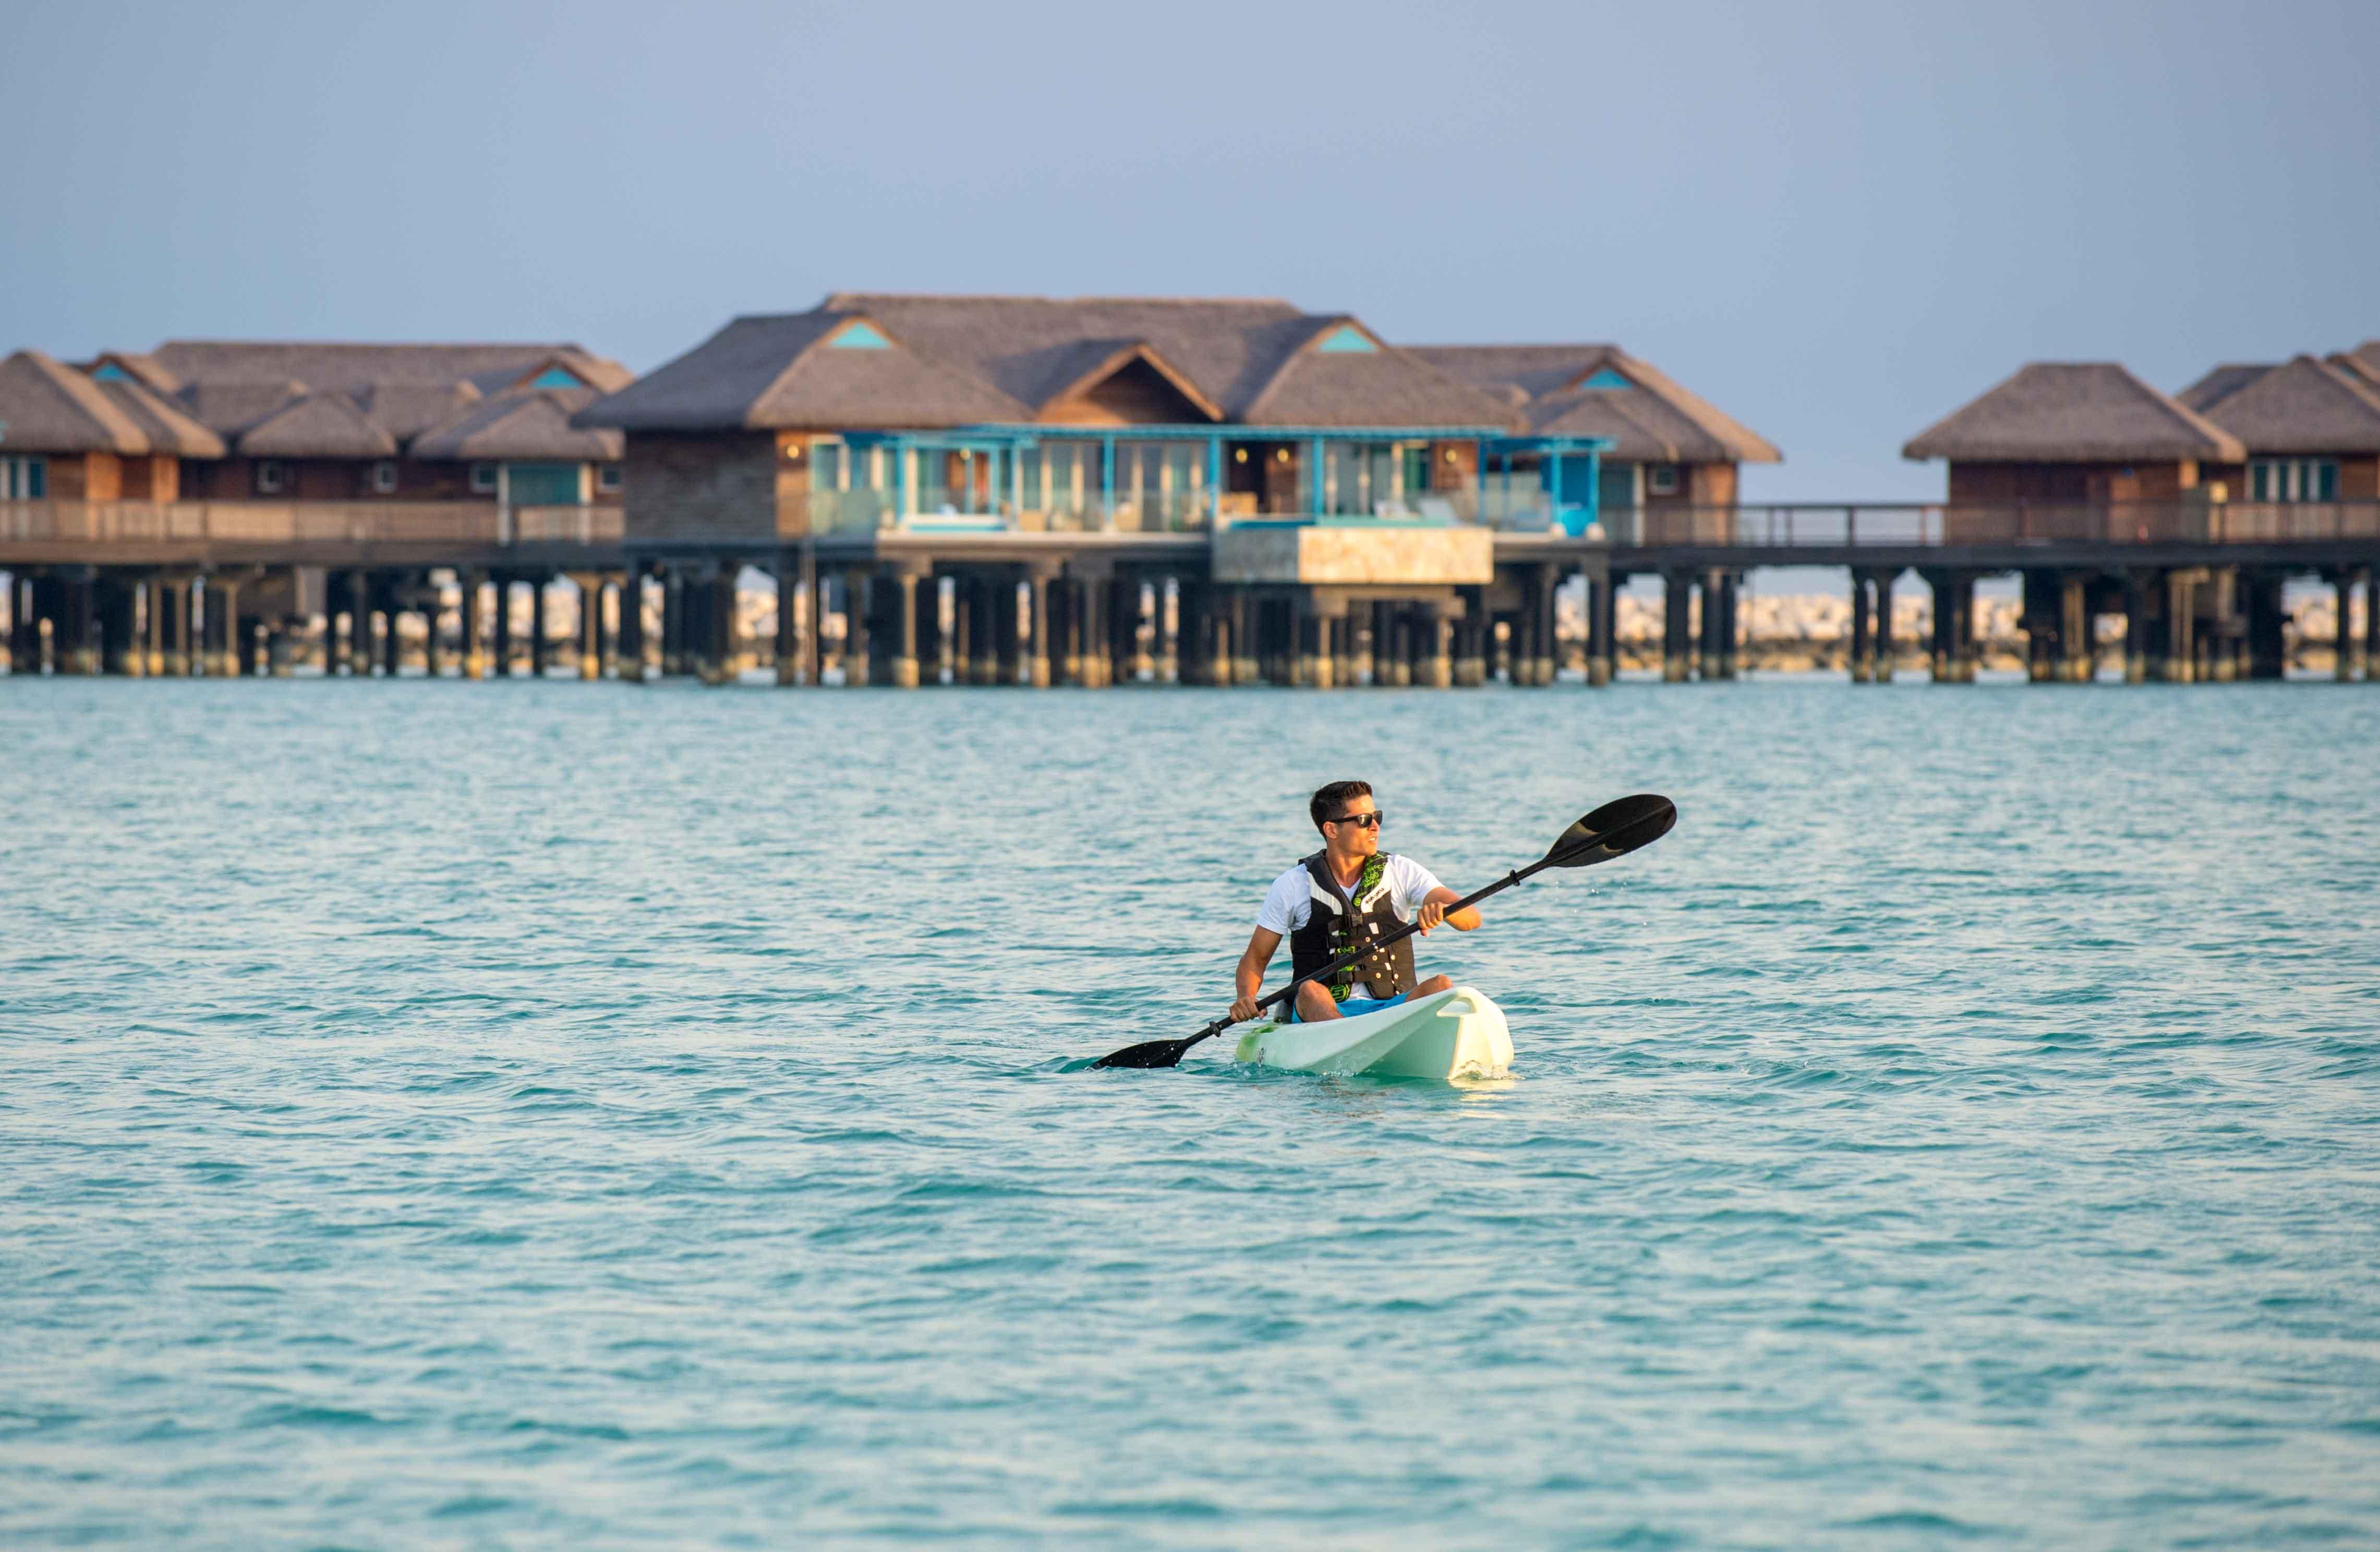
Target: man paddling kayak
x=1334 y=901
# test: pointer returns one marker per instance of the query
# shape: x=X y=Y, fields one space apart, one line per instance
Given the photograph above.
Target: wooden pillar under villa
x=23 y=646
x=1240 y=632
x=2372 y=626
x=590 y=624
x=632 y=624
x=1041 y=584
x=473 y=648
x=218 y=653
x=1470 y=670
x=1862 y=653
x=113 y=618
x=171 y=604
x=855 y=644
x=1885 y=647
x=359 y=624
x=500 y=624
x=673 y=642
x=982 y=628
x=1166 y=600
x=1719 y=624
x=1677 y=640
x=1545 y=670
x=2076 y=636
x=911 y=595
x=2180 y=626
x=724 y=643
x=540 y=634
x=1602 y=621
x=1007 y=642
x=789 y=628
x=2347 y=647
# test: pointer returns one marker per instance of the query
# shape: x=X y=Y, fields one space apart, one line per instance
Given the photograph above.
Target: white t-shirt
x=1290 y=900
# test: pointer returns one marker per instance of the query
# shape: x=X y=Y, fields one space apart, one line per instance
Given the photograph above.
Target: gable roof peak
x=2074 y=412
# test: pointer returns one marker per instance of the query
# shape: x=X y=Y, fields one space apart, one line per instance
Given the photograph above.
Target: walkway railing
x=1777 y=526
x=1841 y=526
x=252 y=522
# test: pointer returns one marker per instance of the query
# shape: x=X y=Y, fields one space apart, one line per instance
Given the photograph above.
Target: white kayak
x=1456 y=1034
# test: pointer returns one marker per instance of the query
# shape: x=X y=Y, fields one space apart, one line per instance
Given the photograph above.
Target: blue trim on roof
x=558 y=377
x=1607 y=378
x=1347 y=337
x=860 y=336
x=111 y=373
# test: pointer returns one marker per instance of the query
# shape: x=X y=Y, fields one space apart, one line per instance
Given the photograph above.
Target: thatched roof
x=1316 y=384
x=2363 y=361
x=50 y=408
x=2221 y=384
x=786 y=372
x=320 y=425
x=2074 y=412
x=521 y=426
x=1600 y=390
x=405 y=411
x=324 y=365
x=169 y=428
x=230 y=408
x=964 y=360
x=2303 y=406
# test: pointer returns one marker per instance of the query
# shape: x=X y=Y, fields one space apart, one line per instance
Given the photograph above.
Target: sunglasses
x=1366 y=821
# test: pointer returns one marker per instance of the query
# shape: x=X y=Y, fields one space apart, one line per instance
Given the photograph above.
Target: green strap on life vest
x=1342 y=985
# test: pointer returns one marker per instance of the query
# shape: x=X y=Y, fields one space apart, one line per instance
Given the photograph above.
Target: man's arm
x=1433 y=911
x=1249 y=980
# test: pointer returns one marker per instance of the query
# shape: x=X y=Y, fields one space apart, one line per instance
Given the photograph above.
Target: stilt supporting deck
x=2348 y=649
x=1677 y=639
x=1861 y=656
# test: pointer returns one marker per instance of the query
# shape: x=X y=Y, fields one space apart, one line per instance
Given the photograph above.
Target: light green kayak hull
x=1457 y=1034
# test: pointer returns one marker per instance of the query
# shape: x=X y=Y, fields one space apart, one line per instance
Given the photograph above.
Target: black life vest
x=1337 y=924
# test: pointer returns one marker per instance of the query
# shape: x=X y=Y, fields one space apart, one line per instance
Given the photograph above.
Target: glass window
x=1662 y=480
x=2326 y=481
x=270 y=476
x=827 y=460
x=484 y=478
x=607 y=477
x=37 y=478
x=383 y=477
x=1032 y=466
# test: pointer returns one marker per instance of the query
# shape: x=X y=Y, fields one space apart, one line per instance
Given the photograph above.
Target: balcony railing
x=1826 y=526
x=869 y=510
x=1805 y=526
x=247 y=522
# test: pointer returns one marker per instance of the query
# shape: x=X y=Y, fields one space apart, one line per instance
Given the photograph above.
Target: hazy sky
x=1836 y=221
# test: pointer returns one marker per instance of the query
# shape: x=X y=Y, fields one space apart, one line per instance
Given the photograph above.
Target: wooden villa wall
x=693 y=486
x=1998 y=484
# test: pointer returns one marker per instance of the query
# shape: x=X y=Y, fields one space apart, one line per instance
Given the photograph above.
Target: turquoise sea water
x=511 y=1114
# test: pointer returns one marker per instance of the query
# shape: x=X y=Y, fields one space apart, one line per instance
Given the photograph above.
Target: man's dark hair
x=1330 y=800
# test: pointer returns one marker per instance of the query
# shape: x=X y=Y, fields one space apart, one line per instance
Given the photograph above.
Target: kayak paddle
x=1614 y=830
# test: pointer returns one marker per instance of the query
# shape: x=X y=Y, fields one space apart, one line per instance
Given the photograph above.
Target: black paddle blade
x=1615 y=829
x=1151 y=1053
